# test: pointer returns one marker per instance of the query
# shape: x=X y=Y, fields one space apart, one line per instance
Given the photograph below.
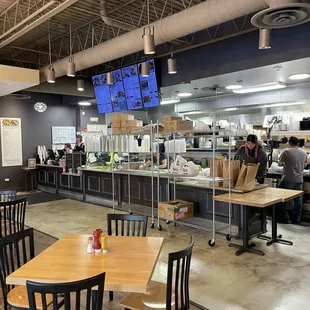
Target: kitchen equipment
x=304 y=124
x=283 y=127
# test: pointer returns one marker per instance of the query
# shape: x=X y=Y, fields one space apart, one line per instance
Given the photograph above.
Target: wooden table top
x=261 y=198
x=129 y=263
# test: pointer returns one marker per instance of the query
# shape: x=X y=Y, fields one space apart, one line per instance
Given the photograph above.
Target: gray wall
x=36 y=129
x=84 y=118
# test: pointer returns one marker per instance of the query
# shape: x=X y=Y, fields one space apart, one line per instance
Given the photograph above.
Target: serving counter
x=95 y=186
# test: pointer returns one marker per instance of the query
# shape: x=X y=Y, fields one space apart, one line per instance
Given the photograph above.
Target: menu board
x=132 y=87
x=63 y=134
x=117 y=92
x=149 y=87
x=11 y=142
x=102 y=92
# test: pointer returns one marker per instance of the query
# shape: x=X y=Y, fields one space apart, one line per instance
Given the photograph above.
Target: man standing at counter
x=293 y=160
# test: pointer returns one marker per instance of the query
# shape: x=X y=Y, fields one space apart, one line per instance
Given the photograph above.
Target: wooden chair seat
x=18 y=298
x=155 y=298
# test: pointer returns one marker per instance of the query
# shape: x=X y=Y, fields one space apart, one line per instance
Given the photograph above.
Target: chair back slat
x=131 y=225
x=7 y=195
x=11 y=256
x=12 y=216
x=178 y=278
x=69 y=290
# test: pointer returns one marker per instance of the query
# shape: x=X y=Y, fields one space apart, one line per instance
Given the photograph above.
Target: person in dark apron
x=252 y=152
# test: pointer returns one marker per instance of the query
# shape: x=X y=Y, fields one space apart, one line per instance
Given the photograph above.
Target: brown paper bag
x=247 y=175
x=218 y=171
x=234 y=172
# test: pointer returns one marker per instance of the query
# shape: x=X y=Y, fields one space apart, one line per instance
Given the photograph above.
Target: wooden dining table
x=129 y=263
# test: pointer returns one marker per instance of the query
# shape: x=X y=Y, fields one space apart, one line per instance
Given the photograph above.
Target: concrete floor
x=219 y=280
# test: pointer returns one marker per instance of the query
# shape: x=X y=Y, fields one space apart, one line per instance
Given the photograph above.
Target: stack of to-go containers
x=125 y=123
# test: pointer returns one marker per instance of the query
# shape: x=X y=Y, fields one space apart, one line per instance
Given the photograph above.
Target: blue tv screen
x=102 y=93
x=132 y=87
x=130 y=90
x=149 y=88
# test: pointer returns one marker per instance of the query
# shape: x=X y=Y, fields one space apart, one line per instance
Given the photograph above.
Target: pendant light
x=264 y=39
x=172 y=65
x=172 y=62
x=148 y=35
x=51 y=76
x=145 y=69
x=110 y=78
x=71 y=63
x=80 y=83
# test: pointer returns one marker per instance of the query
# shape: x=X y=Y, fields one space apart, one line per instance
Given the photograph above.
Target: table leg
x=275 y=238
x=245 y=247
x=31 y=176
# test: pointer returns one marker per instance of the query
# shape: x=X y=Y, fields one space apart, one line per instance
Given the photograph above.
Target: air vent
x=18 y=96
x=283 y=16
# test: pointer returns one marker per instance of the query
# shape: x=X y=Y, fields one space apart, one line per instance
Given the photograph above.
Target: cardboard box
x=176 y=125
x=124 y=130
x=131 y=123
x=116 y=131
x=116 y=124
x=176 y=209
x=117 y=117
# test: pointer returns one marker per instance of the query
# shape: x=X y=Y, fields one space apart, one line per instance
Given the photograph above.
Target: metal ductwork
x=109 y=21
x=282 y=14
x=194 y=19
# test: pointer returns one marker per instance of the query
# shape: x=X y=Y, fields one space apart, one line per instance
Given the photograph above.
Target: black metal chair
x=130 y=225
x=7 y=195
x=69 y=291
x=15 y=251
x=127 y=228
x=174 y=294
x=12 y=216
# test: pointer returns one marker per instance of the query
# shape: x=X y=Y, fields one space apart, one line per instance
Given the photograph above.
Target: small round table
x=33 y=177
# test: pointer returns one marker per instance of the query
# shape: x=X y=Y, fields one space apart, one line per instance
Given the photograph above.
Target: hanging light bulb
x=148 y=40
x=110 y=78
x=145 y=69
x=80 y=84
x=71 y=67
x=172 y=65
x=264 y=38
x=51 y=75
x=148 y=35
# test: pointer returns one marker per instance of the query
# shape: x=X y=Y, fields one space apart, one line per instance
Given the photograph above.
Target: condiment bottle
x=97 y=235
x=104 y=243
x=90 y=248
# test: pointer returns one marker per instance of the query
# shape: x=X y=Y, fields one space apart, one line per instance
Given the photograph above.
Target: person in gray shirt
x=293 y=160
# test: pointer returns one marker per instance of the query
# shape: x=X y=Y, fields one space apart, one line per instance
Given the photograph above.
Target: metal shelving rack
x=198 y=223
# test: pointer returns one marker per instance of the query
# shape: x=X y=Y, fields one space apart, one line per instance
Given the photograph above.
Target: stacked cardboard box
x=172 y=123
x=124 y=123
x=176 y=209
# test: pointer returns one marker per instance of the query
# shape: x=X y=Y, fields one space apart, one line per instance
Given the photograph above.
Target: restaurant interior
x=154 y=154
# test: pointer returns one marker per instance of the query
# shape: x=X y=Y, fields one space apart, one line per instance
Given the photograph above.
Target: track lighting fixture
x=71 y=67
x=264 y=38
x=172 y=65
x=51 y=75
x=110 y=78
x=145 y=69
x=80 y=84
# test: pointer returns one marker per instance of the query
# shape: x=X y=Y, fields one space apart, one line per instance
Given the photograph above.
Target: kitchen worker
x=79 y=144
x=161 y=162
x=252 y=152
x=293 y=160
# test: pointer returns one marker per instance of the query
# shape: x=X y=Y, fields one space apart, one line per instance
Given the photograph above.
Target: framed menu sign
x=11 y=142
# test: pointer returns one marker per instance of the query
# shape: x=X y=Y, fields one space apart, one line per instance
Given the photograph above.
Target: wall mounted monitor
x=102 y=93
x=132 y=87
x=117 y=92
x=149 y=87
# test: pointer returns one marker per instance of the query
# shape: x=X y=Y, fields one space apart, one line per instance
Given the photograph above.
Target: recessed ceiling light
x=233 y=87
x=84 y=103
x=299 y=76
x=172 y=100
x=184 y=94
x=260 y=87
x=231 y=109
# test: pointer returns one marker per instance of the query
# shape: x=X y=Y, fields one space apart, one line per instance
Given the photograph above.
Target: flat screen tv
x=149 y=88
x=130 y=90
x=132 y=87
x=102 y=93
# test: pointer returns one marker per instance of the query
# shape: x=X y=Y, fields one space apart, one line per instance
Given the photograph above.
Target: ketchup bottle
x=97 y=238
